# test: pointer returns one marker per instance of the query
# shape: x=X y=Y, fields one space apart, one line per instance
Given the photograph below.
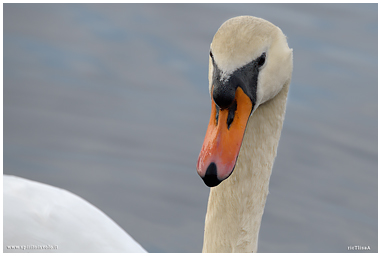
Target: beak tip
x=210 y=178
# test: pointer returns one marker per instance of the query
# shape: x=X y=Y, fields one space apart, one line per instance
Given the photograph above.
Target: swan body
x=36 y=214
x=250 y=68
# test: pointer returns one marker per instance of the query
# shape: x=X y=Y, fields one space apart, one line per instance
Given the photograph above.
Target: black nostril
x=231 y=114
x=210 y=178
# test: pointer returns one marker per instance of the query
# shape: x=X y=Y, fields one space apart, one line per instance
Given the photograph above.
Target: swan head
x=249 y=63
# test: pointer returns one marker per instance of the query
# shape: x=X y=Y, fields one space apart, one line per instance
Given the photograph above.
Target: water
x=111 y=102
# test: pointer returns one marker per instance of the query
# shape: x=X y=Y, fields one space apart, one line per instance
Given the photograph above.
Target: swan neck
x=236 y=206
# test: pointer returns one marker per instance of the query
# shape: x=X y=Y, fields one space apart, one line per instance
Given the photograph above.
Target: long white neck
x=236 y=206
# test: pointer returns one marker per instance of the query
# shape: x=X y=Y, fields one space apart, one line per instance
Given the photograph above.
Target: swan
x=250 y=66
x=42 y=218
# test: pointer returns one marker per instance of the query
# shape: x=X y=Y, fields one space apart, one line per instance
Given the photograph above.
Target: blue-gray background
x=111 y=102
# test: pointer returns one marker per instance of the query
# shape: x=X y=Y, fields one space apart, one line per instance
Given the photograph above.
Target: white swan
x=36 y=214
x=250 y=70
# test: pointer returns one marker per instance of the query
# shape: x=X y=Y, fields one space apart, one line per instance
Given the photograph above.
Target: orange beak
x=223 y=141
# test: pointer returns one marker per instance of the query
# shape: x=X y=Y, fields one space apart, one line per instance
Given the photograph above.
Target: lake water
x=111 y=102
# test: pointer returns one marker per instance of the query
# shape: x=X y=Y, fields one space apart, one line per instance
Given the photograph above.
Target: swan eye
x=211 y=54
x=261 y=60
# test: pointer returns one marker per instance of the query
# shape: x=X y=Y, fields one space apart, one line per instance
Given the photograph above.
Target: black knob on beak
x=223 y=95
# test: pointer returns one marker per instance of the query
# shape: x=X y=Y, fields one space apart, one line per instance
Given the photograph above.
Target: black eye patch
x=261 y=60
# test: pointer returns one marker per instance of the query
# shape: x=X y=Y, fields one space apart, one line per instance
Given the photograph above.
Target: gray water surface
x=111 y=102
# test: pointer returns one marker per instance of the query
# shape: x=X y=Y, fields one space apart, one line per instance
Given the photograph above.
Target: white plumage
x=40 y=214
